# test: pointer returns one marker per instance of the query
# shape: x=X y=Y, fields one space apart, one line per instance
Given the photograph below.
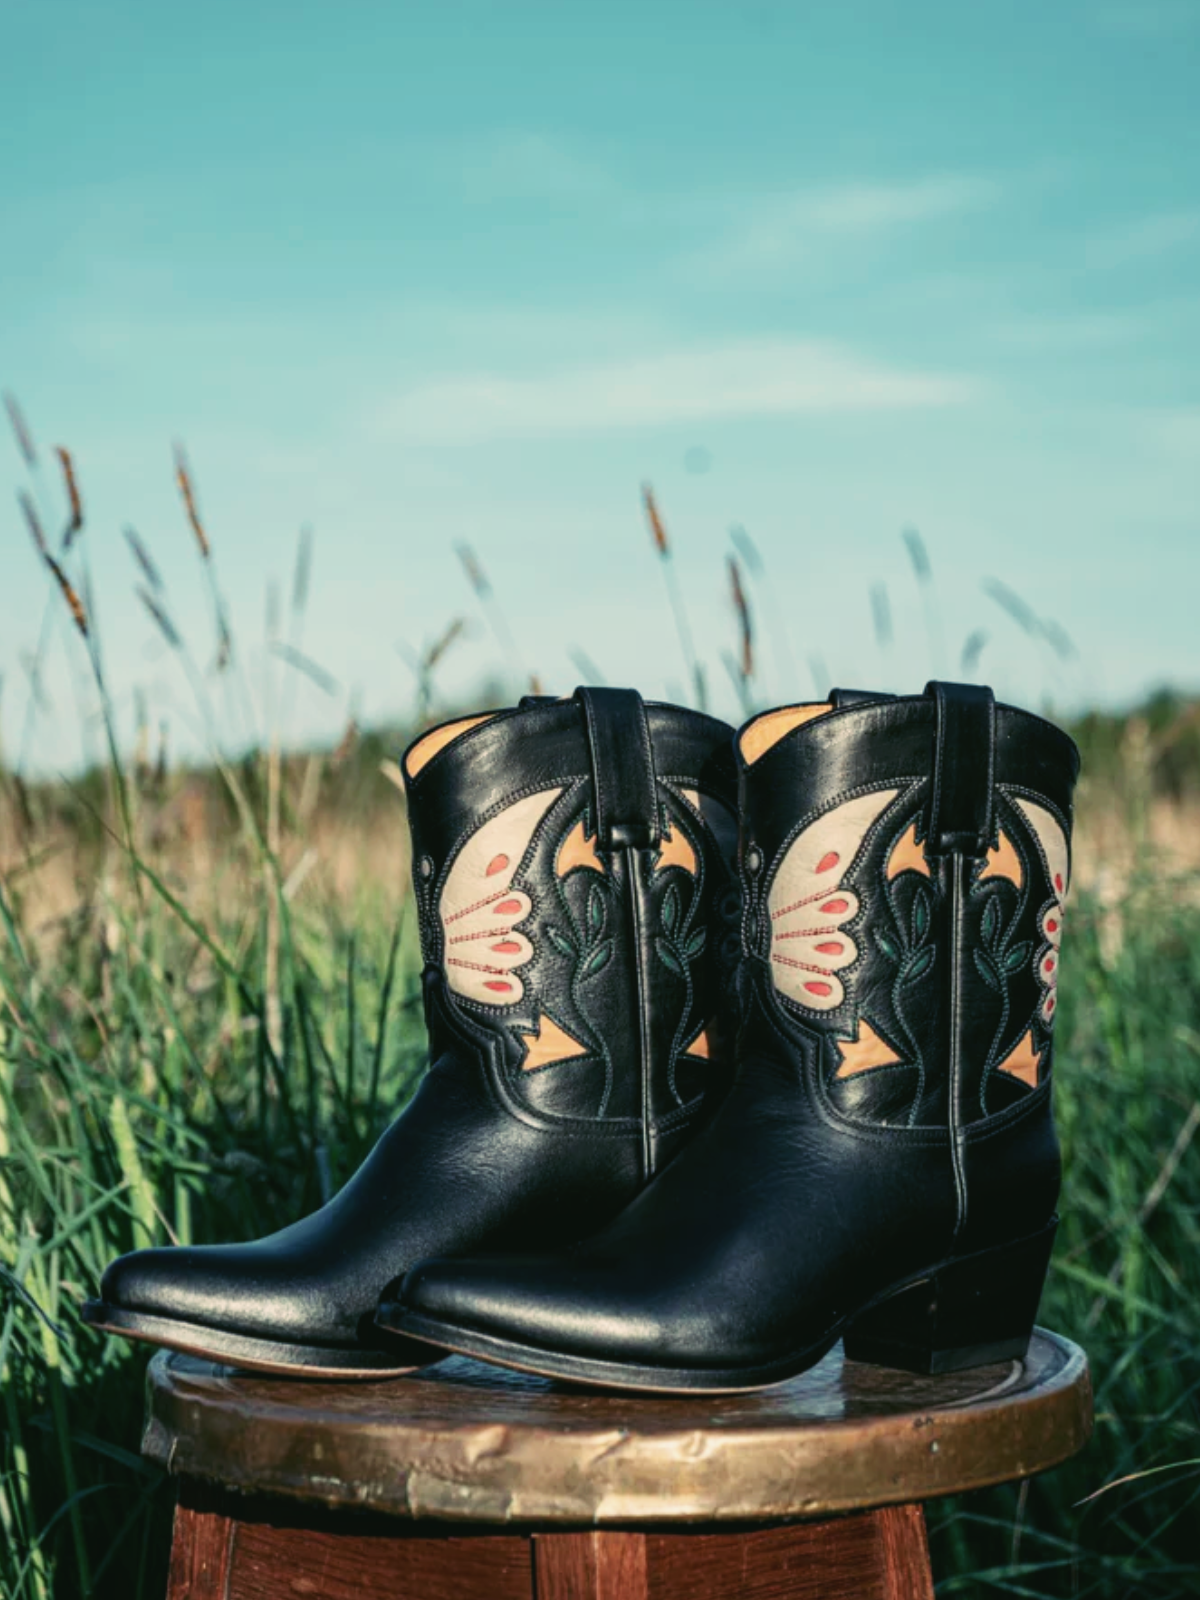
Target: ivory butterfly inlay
x=1052 y=842
x=481 y=912
x=808 y=906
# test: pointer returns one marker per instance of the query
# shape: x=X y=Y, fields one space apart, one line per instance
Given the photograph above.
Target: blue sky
x=424 y=274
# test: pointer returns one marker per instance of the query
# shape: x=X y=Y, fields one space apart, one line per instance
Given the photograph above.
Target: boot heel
x=965 y=1314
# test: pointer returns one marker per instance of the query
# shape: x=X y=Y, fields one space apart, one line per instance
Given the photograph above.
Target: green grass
x=205 y=1054
x=141 y=1099
x=1126 y=1276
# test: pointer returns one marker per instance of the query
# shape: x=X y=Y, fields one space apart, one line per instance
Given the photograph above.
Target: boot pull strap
x=962 y=806
x=624 y=782
x=839 y=699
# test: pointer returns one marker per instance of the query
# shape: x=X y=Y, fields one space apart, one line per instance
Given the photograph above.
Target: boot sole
x=243 y=1350
x=970 y=1311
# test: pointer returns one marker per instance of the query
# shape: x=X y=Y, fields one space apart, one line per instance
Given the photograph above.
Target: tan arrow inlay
x=907 y=855
x=549 y=1043
x=1004 y=862
x=577 y=850
x=1023 y=1062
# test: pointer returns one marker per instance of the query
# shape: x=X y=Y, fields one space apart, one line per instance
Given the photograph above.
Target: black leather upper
x=891 y=1108
x=624 y=947
x=930 y=958
x=634 y=916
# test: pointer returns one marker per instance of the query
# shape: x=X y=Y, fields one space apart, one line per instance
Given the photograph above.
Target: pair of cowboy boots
x=677 y=1137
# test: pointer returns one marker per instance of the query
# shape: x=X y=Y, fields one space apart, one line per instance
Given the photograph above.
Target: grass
x=209 y=1010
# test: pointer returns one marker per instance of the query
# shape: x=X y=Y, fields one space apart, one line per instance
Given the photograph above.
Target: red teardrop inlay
x=1051 y=1003
x=507 y=947
x=834 y=908
x=496 y=864
x=1058 y=884
x=828 y=862
x=819 y=988
x=507 y=908
x=499 y=988
x=832 y=948
x=1049 y=963
x=1052 y=926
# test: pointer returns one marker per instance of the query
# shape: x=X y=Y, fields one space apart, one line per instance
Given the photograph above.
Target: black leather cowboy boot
x=885 y=1166
x=574 y=871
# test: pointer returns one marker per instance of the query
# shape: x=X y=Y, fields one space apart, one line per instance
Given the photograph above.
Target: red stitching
x=479 y=905
x=825 y=894
x=804 y=966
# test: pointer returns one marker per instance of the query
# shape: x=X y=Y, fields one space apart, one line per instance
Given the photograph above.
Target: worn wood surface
x=466 y=1442
x=904 y=1553
x=201 y=1545
x=268 y=1564
x=879 y=1555
x=590 y=1566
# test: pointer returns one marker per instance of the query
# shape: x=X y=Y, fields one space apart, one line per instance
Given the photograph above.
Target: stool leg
x=201 y=1549
x=904 y=1552
x=876 y=1555
x=590 y=1566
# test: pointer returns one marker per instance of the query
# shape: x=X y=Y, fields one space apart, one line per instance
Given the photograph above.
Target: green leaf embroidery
x=888 y=948
x=920 y=917
x=991 y=920
x=670 y=909
x=596 y=908
x=562 y=944
x=695 y=943
x=598 y=959
x=986 y=968
x=668 y=957
x=919 y=965
x=1016 y=958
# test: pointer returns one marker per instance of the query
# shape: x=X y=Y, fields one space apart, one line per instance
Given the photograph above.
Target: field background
x=209 y=1010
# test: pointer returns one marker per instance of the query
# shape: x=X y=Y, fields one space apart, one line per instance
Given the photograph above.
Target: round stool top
x=469 y=1442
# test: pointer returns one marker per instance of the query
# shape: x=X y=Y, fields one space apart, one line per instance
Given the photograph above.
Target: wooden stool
x=464 y=1480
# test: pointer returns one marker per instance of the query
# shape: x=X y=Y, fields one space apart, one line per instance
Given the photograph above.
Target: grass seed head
x=20 y=430
x=476 y=576
x=745 y=622
x=444 y=641
x=70 y=594
x=75 y=524
x=144 y=560
x=165 y=626
x=657 y=530
x=184 y=479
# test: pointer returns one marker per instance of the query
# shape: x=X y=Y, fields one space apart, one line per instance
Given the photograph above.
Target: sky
x=424 y=275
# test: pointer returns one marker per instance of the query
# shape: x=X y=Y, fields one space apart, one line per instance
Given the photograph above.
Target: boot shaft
x=905 y=863
x=573 y=863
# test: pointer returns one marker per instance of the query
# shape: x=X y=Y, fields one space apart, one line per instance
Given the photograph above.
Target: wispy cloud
x=744 y=378
x=1070 y=330
x=1176 y=432
x=1144 y=239
x=782 y=229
